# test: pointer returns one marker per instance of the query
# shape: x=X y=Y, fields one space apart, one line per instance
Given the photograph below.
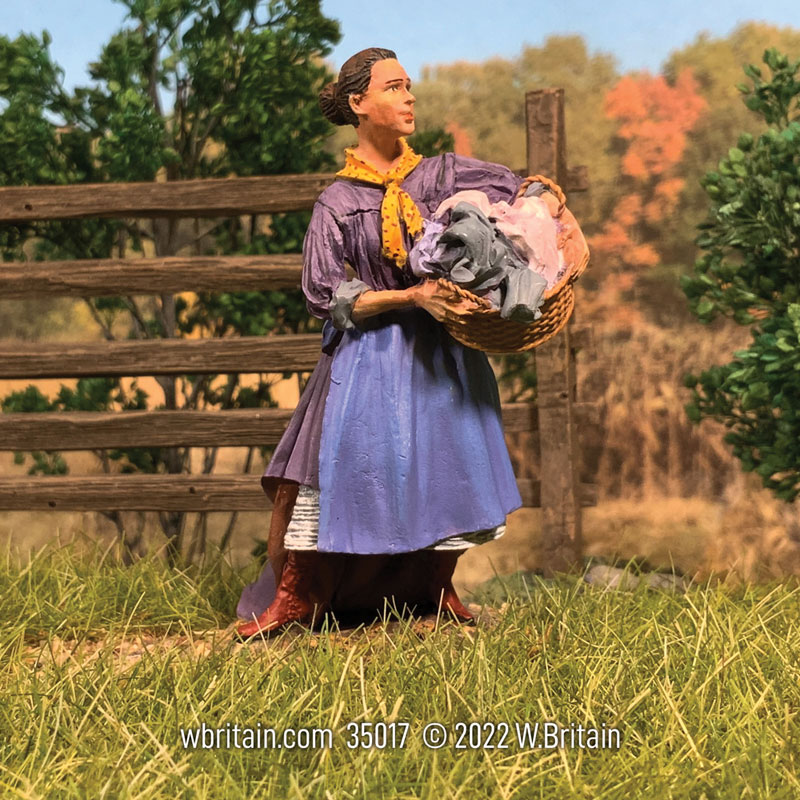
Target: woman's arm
x=329 y=295
x=376 y=302
x=436 y=297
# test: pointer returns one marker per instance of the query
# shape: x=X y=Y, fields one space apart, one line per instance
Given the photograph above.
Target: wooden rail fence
x=558 y=492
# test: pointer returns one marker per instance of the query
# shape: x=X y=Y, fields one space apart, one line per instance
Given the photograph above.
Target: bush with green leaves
x=750 y=271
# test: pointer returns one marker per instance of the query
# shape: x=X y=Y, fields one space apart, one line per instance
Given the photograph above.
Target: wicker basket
x=484 y=328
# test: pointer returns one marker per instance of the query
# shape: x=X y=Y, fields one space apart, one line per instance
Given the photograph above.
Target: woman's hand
x=441 y=302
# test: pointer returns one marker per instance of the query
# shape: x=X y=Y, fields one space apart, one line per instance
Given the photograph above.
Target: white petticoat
x=303 y=529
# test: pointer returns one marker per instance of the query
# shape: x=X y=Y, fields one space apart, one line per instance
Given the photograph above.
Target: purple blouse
x=346 y=224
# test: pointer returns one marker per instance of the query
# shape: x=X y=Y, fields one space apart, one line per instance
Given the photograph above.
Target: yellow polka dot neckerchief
x=397 y=204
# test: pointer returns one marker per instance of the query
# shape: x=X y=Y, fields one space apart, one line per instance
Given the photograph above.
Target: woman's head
x=354 y=79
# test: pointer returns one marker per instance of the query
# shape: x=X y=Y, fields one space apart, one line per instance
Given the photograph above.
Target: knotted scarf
x=397 y=204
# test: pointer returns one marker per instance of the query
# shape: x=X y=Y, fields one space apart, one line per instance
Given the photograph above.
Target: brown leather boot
x=442 y=591
x=282 y=507
x=301 y=595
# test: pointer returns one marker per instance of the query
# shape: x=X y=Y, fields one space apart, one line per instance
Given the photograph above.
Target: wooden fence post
x=562 y=548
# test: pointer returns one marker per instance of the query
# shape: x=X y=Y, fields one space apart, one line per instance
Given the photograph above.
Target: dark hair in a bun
x=354 y=77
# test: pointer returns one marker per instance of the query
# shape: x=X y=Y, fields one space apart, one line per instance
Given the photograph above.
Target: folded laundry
x=424 y=256
x=521 y=286
x=528 y=222
x=474 y=253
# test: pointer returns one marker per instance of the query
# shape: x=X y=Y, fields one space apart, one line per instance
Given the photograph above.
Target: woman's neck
x=382 y=151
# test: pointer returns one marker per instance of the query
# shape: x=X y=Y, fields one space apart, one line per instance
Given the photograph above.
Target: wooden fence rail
x=88 y=430
x=209 y=197
x=558 y=411
x=120 y=276
x=295 y=353
x=169 y=493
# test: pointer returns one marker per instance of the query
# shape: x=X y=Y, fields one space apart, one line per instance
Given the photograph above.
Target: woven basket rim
x=510 y=336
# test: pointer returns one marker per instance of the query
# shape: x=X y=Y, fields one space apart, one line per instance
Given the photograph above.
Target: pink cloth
x=527 y=223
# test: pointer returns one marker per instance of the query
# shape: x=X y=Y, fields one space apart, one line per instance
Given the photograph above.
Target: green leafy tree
x=749 y=271
x=716 y=64
x=432 y=142
x=188 y=89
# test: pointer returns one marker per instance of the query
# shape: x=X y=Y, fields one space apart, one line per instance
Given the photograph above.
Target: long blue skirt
x=412 y=448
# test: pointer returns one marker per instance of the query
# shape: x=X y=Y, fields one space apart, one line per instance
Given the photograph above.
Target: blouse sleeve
x=329 y=295
x=498 y=182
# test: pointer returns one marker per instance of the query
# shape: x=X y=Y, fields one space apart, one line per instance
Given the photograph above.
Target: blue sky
x=640 y=34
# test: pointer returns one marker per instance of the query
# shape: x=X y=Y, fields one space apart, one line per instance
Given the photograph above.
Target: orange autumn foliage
x=462 y=143
x=655 y=119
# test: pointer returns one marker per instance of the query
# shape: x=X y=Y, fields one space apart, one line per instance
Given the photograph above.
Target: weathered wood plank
x=134 y=493
x=547 y=147
x=208 y=197
x=84 y=430
x=112 y=276
x=87 y=430
x=524 y=417
x=555 y=367
x=519 y=417
x=160 y=357
x=165 y=493
x=560 y=499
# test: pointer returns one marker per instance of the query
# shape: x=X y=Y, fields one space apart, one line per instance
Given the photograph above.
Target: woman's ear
x=355 y=103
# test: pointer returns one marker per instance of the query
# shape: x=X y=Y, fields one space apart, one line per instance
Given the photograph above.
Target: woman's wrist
x=412 y=295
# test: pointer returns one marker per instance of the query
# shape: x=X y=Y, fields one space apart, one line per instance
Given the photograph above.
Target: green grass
x=705 y=688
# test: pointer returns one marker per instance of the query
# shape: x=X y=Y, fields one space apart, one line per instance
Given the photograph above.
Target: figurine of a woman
x=394 y=461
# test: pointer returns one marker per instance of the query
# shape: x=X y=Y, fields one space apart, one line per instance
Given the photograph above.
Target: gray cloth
x=523 y=296
x=477 y=256
x=535 y=189
x=342 y=302
x=473 y=253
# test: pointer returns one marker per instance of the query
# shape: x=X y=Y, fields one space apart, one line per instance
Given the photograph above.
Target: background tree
x=749 y=272
x=35 y=150
x=486 y=101
x=655 y=119
x=716 y=64
x=188 y=89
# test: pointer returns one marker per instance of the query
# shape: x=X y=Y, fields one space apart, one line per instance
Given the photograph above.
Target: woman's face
x=388 y=103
